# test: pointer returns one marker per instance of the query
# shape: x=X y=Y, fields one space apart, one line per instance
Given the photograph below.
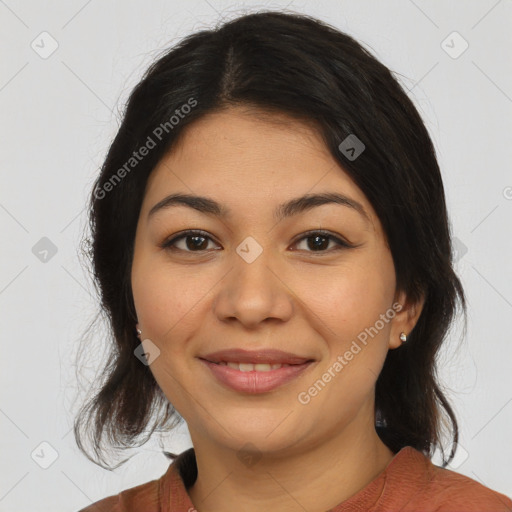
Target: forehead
x=242 y=138
x=245 y=158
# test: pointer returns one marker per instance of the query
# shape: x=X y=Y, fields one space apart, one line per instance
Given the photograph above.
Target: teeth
x=249 y=367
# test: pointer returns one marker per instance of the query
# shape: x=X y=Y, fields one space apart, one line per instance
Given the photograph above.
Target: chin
x=263 y=437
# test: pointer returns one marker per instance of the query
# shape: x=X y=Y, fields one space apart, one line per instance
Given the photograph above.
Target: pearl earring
x=403 y=337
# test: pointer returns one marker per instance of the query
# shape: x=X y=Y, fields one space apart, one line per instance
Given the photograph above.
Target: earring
x=139 y=332
x=403 y=337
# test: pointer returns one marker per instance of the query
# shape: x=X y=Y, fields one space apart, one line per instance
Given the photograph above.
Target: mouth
x=264 y=357
x=251 y=367
x=255 y=372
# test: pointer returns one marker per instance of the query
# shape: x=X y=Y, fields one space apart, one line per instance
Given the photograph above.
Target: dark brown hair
x=300 y=66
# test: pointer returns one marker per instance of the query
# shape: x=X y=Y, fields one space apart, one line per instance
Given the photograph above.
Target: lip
x=254 y=382
x=271 y=356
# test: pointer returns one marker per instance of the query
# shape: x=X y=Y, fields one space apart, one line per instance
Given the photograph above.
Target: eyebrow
x=292 y=207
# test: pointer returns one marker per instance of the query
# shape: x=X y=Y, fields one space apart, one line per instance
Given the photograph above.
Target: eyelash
x=168 y=244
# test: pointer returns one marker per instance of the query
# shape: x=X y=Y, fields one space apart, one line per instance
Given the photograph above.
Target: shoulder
x=166 y=494
x=144 y=497
x=454 y=492
x=438 y=489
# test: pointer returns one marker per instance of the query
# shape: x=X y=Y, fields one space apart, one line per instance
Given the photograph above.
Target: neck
x=310 y=477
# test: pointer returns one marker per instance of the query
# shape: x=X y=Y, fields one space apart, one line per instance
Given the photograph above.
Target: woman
x=271 y=243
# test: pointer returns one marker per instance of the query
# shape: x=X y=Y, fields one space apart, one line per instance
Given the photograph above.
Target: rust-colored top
x=410 y=482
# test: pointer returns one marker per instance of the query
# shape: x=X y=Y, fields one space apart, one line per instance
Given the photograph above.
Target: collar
x=404 y=477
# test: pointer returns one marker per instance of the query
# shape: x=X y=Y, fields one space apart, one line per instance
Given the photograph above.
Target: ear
x=407 y=315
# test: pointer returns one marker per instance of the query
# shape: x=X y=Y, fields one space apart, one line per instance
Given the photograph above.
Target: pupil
x=195 y=245
x=316 y=238
x=317 y=244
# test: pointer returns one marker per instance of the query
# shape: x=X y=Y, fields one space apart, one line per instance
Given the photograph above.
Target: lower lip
x=253 y=381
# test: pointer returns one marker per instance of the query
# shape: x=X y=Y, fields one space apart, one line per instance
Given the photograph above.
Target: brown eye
x=195 y=241
x=318 y=241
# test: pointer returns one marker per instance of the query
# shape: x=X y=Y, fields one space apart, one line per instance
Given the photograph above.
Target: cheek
x=349 y=299
x=170 y=301
x=356 y=339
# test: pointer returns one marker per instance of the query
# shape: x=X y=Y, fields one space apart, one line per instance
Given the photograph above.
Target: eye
x=318 y=241
x=199 y=241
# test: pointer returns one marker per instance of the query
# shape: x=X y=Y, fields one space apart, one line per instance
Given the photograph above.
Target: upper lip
x=270 y=356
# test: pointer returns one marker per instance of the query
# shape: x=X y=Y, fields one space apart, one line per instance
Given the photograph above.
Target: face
x=255 y=280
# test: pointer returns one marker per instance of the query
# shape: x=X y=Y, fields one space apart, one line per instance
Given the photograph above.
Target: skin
x=313 y=303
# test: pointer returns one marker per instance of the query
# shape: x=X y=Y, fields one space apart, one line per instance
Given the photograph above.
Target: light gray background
x=58 y=117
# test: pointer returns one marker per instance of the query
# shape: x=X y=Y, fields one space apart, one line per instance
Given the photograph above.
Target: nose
x=254 y=291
